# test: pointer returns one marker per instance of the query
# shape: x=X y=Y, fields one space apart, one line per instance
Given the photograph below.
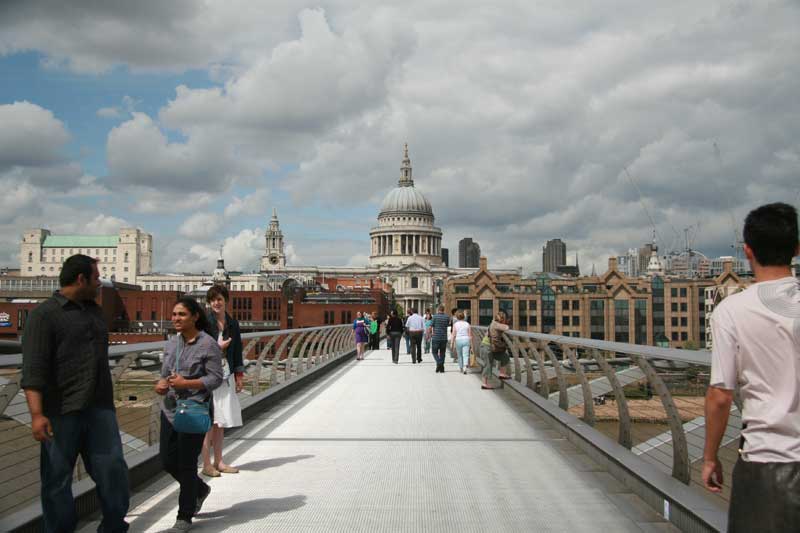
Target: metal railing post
x=588 y=401
x=681 y=468
x=563 y=399
x=624 y=436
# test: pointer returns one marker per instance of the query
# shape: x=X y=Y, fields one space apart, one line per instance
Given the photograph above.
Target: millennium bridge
x=588 y=435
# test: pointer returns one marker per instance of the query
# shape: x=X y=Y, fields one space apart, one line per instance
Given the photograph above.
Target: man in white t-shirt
x=756 y=335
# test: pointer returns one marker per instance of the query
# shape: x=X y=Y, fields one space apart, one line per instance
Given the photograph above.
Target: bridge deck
x=381 y=447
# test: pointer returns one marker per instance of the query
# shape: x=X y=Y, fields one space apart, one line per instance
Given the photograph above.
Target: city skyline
x=524 y=124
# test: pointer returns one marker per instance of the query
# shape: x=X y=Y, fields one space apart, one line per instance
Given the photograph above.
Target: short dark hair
x=194 y=308
x=75 y=265
x=393 y=312
x=771 y=232
x=217 y=290
x=452 y=311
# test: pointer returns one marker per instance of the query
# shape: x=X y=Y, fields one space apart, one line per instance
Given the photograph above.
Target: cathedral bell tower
x=273 y=257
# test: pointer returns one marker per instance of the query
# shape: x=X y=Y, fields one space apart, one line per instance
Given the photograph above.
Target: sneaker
x=180 y=526
x=201 y=499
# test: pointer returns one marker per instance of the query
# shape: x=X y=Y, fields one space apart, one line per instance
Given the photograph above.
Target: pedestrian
x=227 y=410
x=394 y=330
x=427 y=320
x=406 y=334
x=67 y=383
x=461 y=341
x=376 y=341
x=416 y=327
x=361 y=335
x=453 y=354
x=756 y=347
x=191 y=370
x=438 y=333
x=497 y=350
x=374 y=332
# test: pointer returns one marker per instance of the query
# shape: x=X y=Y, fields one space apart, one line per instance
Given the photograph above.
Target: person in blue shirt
x=438 y=334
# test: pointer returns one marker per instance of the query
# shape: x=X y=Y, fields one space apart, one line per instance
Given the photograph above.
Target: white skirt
x=227 y=410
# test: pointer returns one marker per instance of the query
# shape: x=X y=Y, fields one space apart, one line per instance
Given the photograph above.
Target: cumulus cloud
x=201 y=226
x=525 y=122
x=256 y=203
x=109 y=112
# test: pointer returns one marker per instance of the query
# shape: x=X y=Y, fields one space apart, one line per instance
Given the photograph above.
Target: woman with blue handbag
x=192 y=368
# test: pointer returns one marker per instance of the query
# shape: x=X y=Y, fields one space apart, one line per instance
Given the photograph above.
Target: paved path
x=381 y=447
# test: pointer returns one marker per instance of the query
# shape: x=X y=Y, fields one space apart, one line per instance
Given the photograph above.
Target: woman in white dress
x=227 y=411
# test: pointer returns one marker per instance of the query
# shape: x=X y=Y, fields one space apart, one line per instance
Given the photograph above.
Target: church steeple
x=274 y=256
x=405 y=170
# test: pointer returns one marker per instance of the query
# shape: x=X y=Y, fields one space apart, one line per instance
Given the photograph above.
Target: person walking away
x=360 y=328
x=191 y=370
x=394 y=330
x=461 y=341
x=497 y=350
x=438 y=331
x=450 y=344
x=756 y=346
x=427 y=320
x=407 y=335
x=227 y=410
x=67 y=384
x=416 y=327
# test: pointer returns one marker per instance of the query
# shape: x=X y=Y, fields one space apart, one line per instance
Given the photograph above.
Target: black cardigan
x=233 y=353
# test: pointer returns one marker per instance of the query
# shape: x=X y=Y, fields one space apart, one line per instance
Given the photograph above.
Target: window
x=532 y=305
x=463 y=304
x=30 y=257
x=532 y=321
x=684 y=336
x=507 y=306
x=126 y=257
x=414 y=282
x=462 y=289
x=674 y=322
x=485 y=312
x=674 y=335
x=565 y=305
x=347 y=317
x=683 y=321
x=683 y=292
x=152 y=315
x=576 y=305
x=640 y=321
x=683 y=307
x=576 y=320
x=139 y=314
x=674 y=307
x=565 y=320
x=673 y=292
x=621 y=321
x=597 y=319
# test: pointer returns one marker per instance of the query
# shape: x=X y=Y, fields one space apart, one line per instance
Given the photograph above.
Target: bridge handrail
x=287 y=356
x=536 y=364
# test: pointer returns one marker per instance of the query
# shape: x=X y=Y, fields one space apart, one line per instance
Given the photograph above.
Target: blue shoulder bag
x=191 y=416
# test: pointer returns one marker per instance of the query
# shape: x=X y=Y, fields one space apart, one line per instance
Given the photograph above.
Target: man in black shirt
x=67 y=383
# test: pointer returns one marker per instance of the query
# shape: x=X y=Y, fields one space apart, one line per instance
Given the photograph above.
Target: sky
x=600 y=123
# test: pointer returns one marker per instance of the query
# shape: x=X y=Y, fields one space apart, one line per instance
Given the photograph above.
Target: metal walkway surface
x=375 y=446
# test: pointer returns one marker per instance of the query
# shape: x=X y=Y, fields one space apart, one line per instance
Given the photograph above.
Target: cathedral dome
x=406 y=200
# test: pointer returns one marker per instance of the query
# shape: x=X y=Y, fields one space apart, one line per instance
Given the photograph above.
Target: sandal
x=487 y=387
x=210 y=472
x=227 y=469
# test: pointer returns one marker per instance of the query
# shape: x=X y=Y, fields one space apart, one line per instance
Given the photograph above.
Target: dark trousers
x=179 y=453
x=765 y=497
x=416 y=346
x=439 y=350
x=94 y=434
x=394 y=343
x=375 y=341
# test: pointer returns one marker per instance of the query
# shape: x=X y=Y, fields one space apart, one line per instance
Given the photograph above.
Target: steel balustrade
x=592 y=365
x=135 y=368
